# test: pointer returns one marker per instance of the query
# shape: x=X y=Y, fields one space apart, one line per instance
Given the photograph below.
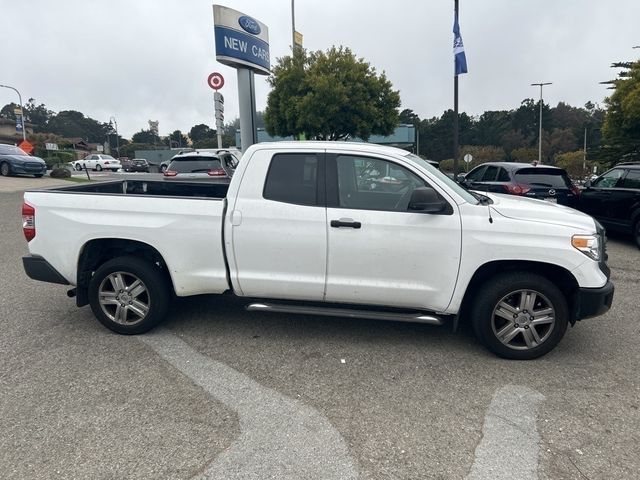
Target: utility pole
x=540 y=132
x=24 y=128
x=113 y=119
x=456 y=153
x=584 y=152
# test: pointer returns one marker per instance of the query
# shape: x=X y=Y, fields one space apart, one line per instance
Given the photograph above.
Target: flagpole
x=455 y=106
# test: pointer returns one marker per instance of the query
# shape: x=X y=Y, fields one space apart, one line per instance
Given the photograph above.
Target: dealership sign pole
x=216 y=81
x=242 y=42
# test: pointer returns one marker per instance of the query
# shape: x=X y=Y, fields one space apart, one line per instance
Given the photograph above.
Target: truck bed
x=156 y=188
x=181 y=220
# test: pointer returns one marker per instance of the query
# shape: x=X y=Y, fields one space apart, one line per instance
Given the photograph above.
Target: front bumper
x=24 y=170
x=38 y=268
x=592 y=302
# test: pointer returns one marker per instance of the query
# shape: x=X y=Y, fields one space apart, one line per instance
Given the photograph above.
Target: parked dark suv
x=524 y=179
x=614 y=199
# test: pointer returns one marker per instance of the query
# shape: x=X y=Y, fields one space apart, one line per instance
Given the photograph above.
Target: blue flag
x=458 y=49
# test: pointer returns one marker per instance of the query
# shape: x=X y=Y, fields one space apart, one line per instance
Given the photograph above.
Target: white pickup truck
x=325 y=228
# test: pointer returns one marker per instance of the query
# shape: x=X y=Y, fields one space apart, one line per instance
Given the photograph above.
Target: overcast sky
x=138 y=60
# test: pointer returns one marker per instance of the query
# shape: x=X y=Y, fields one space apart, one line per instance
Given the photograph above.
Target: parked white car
x=99 y=162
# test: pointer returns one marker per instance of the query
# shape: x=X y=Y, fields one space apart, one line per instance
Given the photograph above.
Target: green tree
x=408 y=117
x=525 y=155
x=330 y=96
x=70 y=123
x=574 y=163
x=201 y=132
x=436 y=135
x=144 y=136
x=621 y=129
x=8 y=111
x=178 y=139
x=482 y=154
x=38 y=115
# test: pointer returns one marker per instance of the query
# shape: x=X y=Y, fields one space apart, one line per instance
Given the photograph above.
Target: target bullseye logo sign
x=215 y=81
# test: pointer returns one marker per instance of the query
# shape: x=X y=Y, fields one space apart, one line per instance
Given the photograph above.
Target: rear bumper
x=594 y=301
x=38 y=268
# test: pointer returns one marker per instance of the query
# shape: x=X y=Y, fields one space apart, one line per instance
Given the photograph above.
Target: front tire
x=129 y=295
x=520 y=315
x=99 y=168
x=77 y=167
x=636 y=233
x=38 y=175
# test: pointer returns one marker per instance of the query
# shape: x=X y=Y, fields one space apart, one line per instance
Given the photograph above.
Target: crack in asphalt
x=280 y=437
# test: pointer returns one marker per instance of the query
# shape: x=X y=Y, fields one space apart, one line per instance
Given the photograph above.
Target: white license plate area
x=551 y=199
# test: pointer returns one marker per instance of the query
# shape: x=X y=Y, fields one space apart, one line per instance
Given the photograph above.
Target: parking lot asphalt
x=218 y=392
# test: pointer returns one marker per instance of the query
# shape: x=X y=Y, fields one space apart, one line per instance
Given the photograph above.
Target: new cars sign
x=241 y=41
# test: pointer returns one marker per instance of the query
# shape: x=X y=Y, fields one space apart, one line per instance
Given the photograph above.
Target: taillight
x=106 y=162
x=516 y=189
x=170 y=173
x=216 y=172
x=28 y=221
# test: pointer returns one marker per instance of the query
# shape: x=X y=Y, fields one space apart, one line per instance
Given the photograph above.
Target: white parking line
x=509 y=446
x=280 y=437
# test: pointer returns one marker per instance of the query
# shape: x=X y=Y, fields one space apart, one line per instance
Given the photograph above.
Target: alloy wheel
x=523 y=319
x=124 y=298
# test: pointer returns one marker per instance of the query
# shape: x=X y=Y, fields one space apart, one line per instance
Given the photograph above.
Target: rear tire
x=636 y=232
x=129 y=295
x=520 y=315
x=5 y=169
x=77 y=167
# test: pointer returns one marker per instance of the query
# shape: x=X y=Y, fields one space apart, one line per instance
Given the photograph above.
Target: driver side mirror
x=426 y=200
x=460 y=178
x=587 y=184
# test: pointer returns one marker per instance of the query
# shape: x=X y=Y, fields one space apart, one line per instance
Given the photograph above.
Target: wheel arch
x=97 y=251
x=559 y=276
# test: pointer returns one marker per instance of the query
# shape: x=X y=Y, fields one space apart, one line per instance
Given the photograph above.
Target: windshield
x=11 y=150
x=444 y=178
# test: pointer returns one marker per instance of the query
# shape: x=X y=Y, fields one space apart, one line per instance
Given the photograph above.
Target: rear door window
x=195 y=164
x=293 y=178
x=632 y=180
x=541 y=177
x=490 y=174
x=503 y=175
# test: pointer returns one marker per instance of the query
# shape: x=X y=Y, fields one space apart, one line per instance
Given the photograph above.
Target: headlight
x=587 y=244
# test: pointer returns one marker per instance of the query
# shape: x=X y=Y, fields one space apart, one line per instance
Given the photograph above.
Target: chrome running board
x=346 y=312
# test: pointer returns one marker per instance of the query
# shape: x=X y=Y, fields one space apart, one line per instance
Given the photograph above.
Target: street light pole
x=24 y=136
x=456 y=133
x=540 y=133
x=113 y=119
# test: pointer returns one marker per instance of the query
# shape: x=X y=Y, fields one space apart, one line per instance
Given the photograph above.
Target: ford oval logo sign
x=249 y=25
